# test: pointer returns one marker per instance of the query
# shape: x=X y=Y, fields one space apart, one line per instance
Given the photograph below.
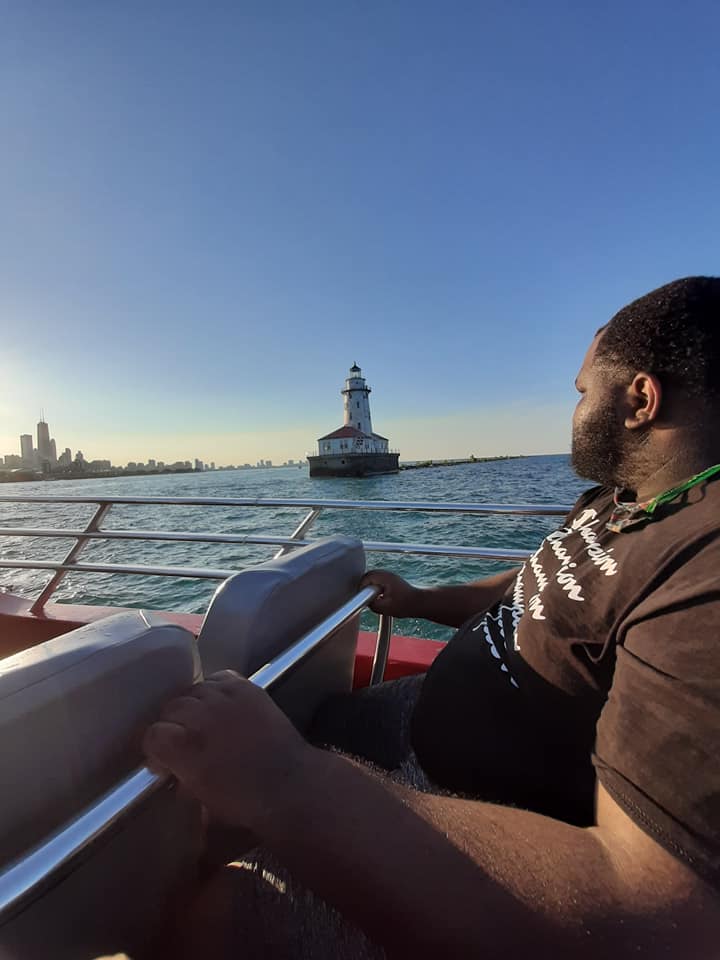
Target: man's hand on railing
x=451 y=605
x=230 y=747
x=398 y=598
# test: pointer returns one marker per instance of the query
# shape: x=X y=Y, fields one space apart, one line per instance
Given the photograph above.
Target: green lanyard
x=669 y=495
x=628 y=514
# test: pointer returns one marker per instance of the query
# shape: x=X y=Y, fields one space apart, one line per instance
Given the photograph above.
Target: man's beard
x=599 y=448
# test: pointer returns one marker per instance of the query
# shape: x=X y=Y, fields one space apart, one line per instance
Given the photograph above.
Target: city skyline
x=490 y=432
x=43 y=458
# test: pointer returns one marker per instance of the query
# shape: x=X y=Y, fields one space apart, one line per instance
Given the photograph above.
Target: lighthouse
x=356 y=401
x=354 y=450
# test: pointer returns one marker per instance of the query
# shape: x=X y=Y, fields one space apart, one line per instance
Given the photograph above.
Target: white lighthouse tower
x=356 y=401
x=354 y=450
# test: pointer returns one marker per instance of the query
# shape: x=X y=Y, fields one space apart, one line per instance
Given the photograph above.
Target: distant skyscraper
x=26 y=449
x=53 y=452
x=43 y=441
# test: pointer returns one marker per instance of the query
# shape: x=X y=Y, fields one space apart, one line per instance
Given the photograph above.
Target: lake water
x=546 y=479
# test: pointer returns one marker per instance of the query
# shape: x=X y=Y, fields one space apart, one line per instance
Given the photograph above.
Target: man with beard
x=576 y=710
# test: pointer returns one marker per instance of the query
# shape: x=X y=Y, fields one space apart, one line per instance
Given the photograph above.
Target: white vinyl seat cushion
x=260 y=612
x=72 y=714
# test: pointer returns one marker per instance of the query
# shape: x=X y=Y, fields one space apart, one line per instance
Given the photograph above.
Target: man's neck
x=674 y=467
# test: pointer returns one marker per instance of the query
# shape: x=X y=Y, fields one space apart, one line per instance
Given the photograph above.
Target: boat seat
x=72 y=714
x=258 y=613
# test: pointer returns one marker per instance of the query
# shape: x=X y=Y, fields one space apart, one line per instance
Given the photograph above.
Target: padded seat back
x=72 y=714
x=260 y=612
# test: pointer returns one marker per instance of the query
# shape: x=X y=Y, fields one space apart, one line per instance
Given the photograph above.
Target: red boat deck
x=19 y=629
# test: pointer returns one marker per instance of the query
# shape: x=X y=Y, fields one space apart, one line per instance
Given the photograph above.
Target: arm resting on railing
x=22 y=880
x=426 y=875
x=450 y=606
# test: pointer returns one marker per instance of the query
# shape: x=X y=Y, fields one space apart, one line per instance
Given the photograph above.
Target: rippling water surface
x=531 y=479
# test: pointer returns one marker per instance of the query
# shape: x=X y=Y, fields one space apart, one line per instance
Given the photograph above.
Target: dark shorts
x=372 y=724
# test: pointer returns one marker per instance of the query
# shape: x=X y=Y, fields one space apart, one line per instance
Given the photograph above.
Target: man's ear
x=644 y=398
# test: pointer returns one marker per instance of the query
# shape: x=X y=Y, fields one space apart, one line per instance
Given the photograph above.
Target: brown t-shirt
x=603 y=658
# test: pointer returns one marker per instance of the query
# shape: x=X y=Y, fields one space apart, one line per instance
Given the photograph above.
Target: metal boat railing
x=26 y=878
x=94 y=531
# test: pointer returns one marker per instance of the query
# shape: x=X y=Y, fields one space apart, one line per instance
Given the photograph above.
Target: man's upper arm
x=656 y=751
x=669 y=908
x=650 y=874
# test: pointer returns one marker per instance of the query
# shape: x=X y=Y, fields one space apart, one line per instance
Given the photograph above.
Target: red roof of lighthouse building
x=343 y=433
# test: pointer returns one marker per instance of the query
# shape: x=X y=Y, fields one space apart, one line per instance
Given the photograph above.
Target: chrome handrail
x=194 y=573
x=103 y=504
x=281 y=664
x=297 y=533
x=80 y=544
x=371 y=546
x=22 y=880
x=423 y=506
x=382 y=649
x=378 y=546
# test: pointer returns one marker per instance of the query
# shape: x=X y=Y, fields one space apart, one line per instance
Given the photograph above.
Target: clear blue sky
x=210 y=210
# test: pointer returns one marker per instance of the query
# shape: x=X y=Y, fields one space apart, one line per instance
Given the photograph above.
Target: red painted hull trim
x=20 y=629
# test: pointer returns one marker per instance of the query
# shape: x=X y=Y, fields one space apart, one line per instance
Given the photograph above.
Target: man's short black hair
x=672 y=332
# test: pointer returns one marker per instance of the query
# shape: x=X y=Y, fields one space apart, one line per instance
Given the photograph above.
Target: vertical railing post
x=382 y=649
x=79 y=545
x=299 y=531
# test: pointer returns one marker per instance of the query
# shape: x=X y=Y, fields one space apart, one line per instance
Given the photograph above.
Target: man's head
x=654 y=367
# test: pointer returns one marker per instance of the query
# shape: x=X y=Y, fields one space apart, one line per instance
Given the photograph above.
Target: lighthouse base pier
x=354 y=464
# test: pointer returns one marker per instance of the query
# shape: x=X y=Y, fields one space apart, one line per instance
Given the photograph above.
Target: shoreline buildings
x=42 y=462
x=354 y=450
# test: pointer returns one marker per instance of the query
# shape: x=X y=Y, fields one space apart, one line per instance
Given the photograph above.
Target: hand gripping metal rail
x=26 y=878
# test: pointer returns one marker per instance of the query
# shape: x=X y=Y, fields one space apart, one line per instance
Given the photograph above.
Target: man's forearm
x=427 y=875
x=387 y=868
x=430 y=875
x=452 y=606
